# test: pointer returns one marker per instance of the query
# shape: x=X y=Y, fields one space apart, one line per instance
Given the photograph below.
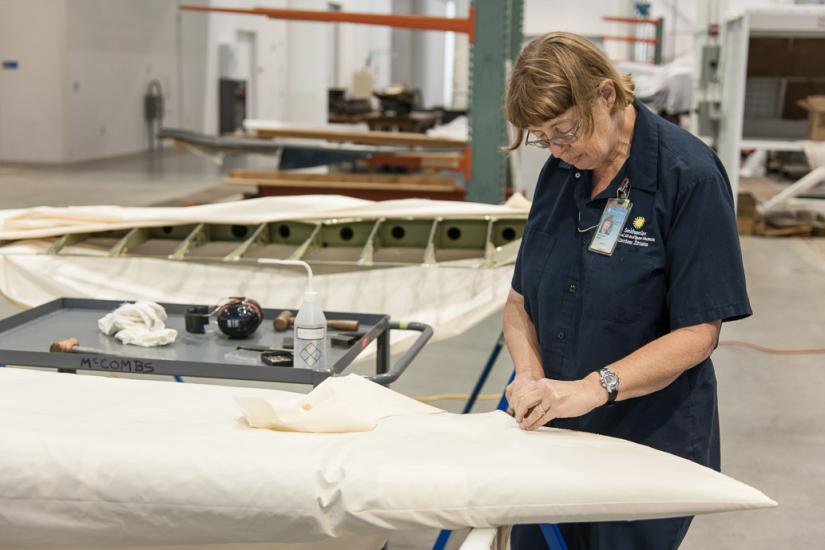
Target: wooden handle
x=64 y=346
x=343 y=324
x=283 y=320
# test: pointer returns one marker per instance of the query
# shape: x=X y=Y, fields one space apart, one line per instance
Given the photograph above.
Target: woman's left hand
x=543 y=400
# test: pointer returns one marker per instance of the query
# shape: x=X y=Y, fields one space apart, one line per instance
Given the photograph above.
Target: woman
x=612 y=334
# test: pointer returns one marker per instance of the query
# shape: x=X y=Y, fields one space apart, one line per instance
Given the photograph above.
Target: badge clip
x=611 y=224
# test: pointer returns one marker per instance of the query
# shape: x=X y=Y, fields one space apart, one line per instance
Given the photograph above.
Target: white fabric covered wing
x=95 y=461
x=47 y=221
x=450 y=299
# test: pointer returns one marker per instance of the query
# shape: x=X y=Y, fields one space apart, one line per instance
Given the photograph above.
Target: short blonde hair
x=557 y=72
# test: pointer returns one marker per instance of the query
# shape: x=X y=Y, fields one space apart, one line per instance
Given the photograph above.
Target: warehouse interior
x=124 y=125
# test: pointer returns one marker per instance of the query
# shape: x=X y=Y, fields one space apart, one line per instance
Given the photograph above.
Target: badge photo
x=610 y=226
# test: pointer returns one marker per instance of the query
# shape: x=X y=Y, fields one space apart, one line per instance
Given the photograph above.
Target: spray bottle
x=310 y=341
x=310 y=334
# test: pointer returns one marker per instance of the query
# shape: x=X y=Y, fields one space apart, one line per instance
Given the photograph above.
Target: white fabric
x=667 y=87
x=46 y=221
x=94 y=461
x=451 y=298
x=815 y=152
x=458 y=129
x=140 y=324
x=338 y=405
x=251 y=124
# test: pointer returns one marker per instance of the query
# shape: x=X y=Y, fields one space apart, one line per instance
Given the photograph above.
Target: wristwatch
x=610 y=382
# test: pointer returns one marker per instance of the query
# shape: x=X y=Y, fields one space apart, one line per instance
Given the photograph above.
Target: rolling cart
x=25 y=339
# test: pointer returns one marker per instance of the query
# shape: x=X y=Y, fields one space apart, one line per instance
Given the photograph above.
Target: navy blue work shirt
x=677 y=263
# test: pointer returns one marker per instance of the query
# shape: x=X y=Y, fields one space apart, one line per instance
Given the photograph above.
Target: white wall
x=270 y=42
x=358 y=42
x=418 y=56
x=114 y=48
x=85 y=65
x=582 y=17
x=31 y=102
x=307 y=58
x=680 y=25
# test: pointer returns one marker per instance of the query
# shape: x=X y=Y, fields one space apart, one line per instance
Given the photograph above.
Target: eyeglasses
x=559 y=138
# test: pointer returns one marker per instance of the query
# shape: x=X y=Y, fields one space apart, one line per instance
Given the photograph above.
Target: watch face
x=609 y=378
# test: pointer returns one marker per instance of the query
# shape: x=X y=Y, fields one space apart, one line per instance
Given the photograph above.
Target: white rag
x=140 y=323
x=338 y=405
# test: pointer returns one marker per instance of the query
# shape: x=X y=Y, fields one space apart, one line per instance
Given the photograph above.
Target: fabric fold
x=338 y=405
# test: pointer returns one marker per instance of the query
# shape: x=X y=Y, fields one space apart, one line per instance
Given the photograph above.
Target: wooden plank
x=277 y=177
x=416 y=160
x=408 y=139
x=350 y=185
x=368 y=193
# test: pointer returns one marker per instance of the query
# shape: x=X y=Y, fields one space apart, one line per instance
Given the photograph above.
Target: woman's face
x=585 y=152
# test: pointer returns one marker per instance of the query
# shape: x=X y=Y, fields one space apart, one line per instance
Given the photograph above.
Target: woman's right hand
x=519 y=384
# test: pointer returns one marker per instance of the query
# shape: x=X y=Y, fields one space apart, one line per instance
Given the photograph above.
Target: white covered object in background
x=667 y=87
x=111 y=461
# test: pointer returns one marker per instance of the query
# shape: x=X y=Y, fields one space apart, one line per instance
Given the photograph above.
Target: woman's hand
x=538 y=402
x=520 y=384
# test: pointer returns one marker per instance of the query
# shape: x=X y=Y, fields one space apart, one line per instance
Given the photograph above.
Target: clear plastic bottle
x=310 y=341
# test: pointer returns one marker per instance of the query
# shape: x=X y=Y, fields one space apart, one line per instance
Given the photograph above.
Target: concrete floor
x=771 y=406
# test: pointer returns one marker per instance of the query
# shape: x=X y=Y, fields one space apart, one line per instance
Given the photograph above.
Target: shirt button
x=561 y=335
x=571 y=289
x=578 y=175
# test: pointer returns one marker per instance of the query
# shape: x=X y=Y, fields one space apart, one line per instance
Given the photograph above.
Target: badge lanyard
x=612 y=222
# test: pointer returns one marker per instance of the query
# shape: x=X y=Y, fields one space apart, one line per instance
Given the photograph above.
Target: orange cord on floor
x=774 y=351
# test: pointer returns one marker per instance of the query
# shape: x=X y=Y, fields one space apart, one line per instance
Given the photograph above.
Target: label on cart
x=309 y=333
x=119 y=365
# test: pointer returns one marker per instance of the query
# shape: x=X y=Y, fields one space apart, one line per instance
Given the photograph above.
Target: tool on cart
x=274 y=357
x=72 y=345
x=345 y=339
x=238 y=317
x=286 y=318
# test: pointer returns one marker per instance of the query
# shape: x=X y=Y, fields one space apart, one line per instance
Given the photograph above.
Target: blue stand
x=482 y=379
x=551 y=532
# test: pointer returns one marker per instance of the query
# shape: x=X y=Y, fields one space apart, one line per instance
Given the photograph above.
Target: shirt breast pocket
x=627 y=287
x=536 y=250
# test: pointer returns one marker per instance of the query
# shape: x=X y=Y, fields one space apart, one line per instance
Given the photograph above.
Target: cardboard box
x=815 y=105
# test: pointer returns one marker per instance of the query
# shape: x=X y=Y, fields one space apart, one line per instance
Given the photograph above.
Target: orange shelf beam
x=631 y=39
x=631 y=20
x=416 y=22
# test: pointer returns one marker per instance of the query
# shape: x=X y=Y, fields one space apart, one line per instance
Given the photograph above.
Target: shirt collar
x=644 y=150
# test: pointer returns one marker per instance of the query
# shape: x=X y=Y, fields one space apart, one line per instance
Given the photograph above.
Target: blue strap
x=503 y=405
x=179 y=379
x=552 y=535
x=441 y=541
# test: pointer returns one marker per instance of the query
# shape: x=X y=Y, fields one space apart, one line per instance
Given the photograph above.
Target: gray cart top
x=25 y=339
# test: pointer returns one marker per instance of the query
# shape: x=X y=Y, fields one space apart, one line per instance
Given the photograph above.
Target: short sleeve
x=705 y=274
x=516 y=284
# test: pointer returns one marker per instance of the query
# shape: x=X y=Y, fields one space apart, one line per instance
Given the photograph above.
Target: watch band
x=610 y=382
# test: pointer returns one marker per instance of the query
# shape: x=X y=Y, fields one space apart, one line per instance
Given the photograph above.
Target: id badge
x=610 y=226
